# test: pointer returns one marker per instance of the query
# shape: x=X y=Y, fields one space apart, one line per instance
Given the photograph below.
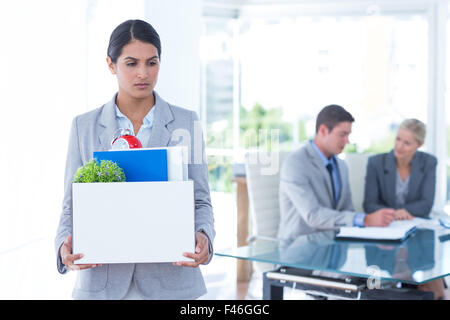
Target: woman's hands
x=384 y=217
x=201 y=254
x=68 y=258
x=402 y=214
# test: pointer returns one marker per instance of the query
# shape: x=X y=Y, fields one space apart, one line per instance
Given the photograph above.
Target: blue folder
x=138 y=165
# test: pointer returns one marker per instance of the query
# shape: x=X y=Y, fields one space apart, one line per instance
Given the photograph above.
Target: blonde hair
x=416 y=127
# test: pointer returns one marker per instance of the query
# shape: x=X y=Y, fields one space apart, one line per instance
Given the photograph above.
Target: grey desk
x=321 y=265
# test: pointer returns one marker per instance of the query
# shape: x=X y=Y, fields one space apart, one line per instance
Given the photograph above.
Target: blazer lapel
x=108 y=124
x=415 y=177
x=390 y=173
x=317 y=162
x=344 y=186
x=161 y=134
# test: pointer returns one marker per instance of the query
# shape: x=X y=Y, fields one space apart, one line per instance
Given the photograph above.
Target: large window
x=368 y=64
x=275 y=71
x=218 y=80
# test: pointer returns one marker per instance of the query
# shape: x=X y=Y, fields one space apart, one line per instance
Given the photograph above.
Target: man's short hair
x=331 y=116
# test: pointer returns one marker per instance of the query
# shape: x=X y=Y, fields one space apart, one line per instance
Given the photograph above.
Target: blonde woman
x=403 y=179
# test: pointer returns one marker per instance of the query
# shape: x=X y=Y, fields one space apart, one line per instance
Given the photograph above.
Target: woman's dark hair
x=331 y=116
x=131 y=30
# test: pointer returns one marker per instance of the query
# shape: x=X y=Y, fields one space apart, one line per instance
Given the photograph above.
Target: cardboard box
x=133 y=222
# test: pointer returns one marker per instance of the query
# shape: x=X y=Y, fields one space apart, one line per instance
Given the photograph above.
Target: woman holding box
x=133 y=55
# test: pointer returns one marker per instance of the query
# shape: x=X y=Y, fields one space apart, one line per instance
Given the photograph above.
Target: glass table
x=320 y=264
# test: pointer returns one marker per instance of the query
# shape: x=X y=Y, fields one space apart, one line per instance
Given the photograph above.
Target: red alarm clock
x=124 y=140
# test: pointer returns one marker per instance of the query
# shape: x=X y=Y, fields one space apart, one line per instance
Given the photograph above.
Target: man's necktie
x=330 y=171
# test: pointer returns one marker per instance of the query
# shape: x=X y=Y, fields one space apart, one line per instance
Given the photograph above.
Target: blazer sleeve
x=73 y=162
x=198 y=172
x=372 y=189
x=424 y=203
x=295 y=184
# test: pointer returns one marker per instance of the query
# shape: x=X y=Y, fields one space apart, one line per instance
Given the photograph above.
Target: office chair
x=357 y=166
x=263 y=181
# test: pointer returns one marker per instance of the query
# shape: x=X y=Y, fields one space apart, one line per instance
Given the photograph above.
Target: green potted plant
x=106 y=171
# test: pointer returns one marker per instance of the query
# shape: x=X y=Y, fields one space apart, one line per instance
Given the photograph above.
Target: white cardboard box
x=133 y=222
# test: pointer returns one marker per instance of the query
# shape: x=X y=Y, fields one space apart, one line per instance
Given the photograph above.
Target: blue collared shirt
x=358 y=220
x=146 y=128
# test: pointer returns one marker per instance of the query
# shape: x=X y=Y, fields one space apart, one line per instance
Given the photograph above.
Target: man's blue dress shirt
x=358 y=220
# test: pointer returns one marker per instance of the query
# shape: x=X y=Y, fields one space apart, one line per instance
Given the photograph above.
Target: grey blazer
x=306 y=196
x=94 y=131
x=379 y=191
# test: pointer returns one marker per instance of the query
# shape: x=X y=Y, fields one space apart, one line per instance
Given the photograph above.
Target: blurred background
x=242 y=65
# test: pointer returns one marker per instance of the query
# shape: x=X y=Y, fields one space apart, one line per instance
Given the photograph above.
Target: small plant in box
x=106 y=171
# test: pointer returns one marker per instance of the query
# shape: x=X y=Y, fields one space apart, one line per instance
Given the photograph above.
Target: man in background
x=314 y=188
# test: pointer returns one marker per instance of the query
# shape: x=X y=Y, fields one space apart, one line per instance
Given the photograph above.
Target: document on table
x=396 y=231
x=426 y=223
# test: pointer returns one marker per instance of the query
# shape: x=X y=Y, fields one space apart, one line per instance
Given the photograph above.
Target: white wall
x=42 y=87
x=104 y=17
x=178 y=24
